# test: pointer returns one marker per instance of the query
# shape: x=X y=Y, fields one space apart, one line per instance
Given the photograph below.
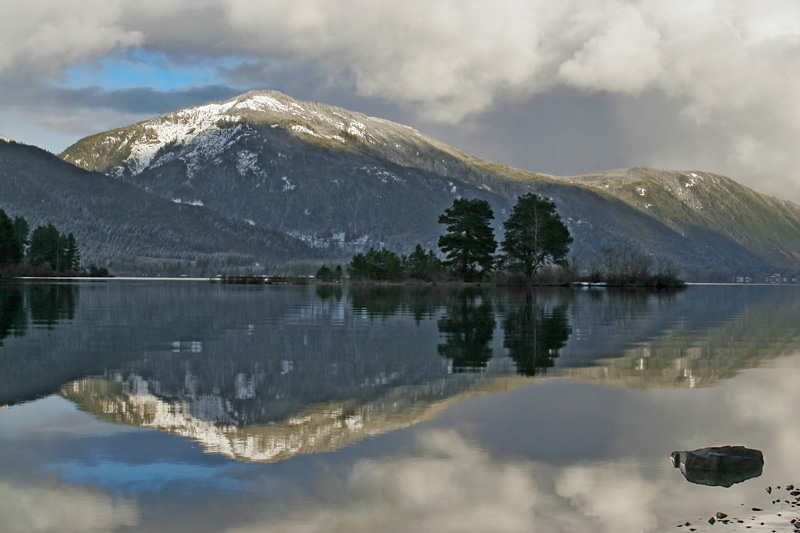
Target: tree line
x=45 y=249
x=534 y=237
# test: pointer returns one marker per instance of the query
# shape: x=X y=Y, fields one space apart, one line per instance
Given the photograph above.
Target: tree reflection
x=12 y=312
x=50 y=303
x=533 y=335
x=468 y=327
x=386 y=301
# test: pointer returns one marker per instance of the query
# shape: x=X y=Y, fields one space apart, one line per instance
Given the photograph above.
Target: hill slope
x=120 y=225
x=345 y=181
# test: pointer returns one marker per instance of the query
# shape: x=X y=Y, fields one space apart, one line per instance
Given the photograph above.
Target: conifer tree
x=10 y=248
x=469 y=243
x=535 y=235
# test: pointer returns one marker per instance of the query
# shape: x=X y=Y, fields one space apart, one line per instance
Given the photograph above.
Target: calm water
x=188 y=406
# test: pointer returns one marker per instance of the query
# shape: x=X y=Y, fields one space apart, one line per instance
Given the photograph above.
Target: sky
x=562 y=88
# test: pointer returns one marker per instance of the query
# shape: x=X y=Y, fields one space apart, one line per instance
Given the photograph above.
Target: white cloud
x=45 y=36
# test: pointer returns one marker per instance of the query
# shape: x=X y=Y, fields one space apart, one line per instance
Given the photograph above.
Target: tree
x=10 y=247
x=423 y=265
x=535 y=235
x=377 y=265
x=324 y=274
x=469 y=243
x=72 y=256
x=21 y=231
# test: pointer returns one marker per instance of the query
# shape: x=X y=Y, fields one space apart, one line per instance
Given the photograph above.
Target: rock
x=719 y=466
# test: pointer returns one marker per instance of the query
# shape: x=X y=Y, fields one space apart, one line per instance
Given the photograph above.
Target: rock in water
x=719 y=466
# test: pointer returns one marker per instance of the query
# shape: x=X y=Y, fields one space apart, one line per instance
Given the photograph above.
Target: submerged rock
x=720 y=466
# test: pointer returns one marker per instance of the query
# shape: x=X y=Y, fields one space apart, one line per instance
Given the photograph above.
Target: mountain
x=343 y=181
x=119 y=225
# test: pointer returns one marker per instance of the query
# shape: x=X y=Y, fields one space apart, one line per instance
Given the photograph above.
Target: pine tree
x=8 y=244
x=45 y=247
x=72 y=254
x=535 y=235
x=469 y=243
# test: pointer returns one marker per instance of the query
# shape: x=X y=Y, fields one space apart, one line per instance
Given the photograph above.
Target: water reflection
x=265 y=373
x=13 y=320
x=467 y=328
x=50 y=303
x=271 y=375
x=46 y=303
x=534 y=334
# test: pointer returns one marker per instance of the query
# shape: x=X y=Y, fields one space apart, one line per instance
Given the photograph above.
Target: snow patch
x=288 y=185
x=260 y=102
x=384 y=175
x=196 y=203
x=302 y=129
x=246 y=161
x=357 y=128
x=181 y=129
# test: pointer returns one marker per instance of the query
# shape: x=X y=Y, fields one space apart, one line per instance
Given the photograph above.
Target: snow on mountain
x=201 y=134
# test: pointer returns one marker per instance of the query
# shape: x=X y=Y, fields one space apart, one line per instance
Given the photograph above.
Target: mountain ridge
x=118 y=224
x=342 y=181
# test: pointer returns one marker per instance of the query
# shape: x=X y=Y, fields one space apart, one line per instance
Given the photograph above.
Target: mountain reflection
x=304 y=369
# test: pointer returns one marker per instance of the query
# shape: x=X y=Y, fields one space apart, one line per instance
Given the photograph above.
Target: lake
x=154 y=406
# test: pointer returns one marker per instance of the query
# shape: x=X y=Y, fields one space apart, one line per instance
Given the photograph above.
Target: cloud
x=728 y=69
x=45 y=37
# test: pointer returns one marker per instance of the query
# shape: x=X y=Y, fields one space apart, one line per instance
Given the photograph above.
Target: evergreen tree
x=535 y=235
x=72 y=254
x=324 y=274
x=21 y=231
x=423 y=265
x=45 y=247
x=8 y=244
x=469 y=243
x=377 y=265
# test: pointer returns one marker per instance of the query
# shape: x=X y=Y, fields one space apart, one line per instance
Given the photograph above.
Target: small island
x=534 y=251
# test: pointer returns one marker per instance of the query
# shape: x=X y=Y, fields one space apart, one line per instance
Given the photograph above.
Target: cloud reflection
x=452 y=485
x=63 y=509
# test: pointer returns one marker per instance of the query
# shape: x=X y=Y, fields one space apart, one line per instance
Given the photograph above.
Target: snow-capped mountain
x=343 y=181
